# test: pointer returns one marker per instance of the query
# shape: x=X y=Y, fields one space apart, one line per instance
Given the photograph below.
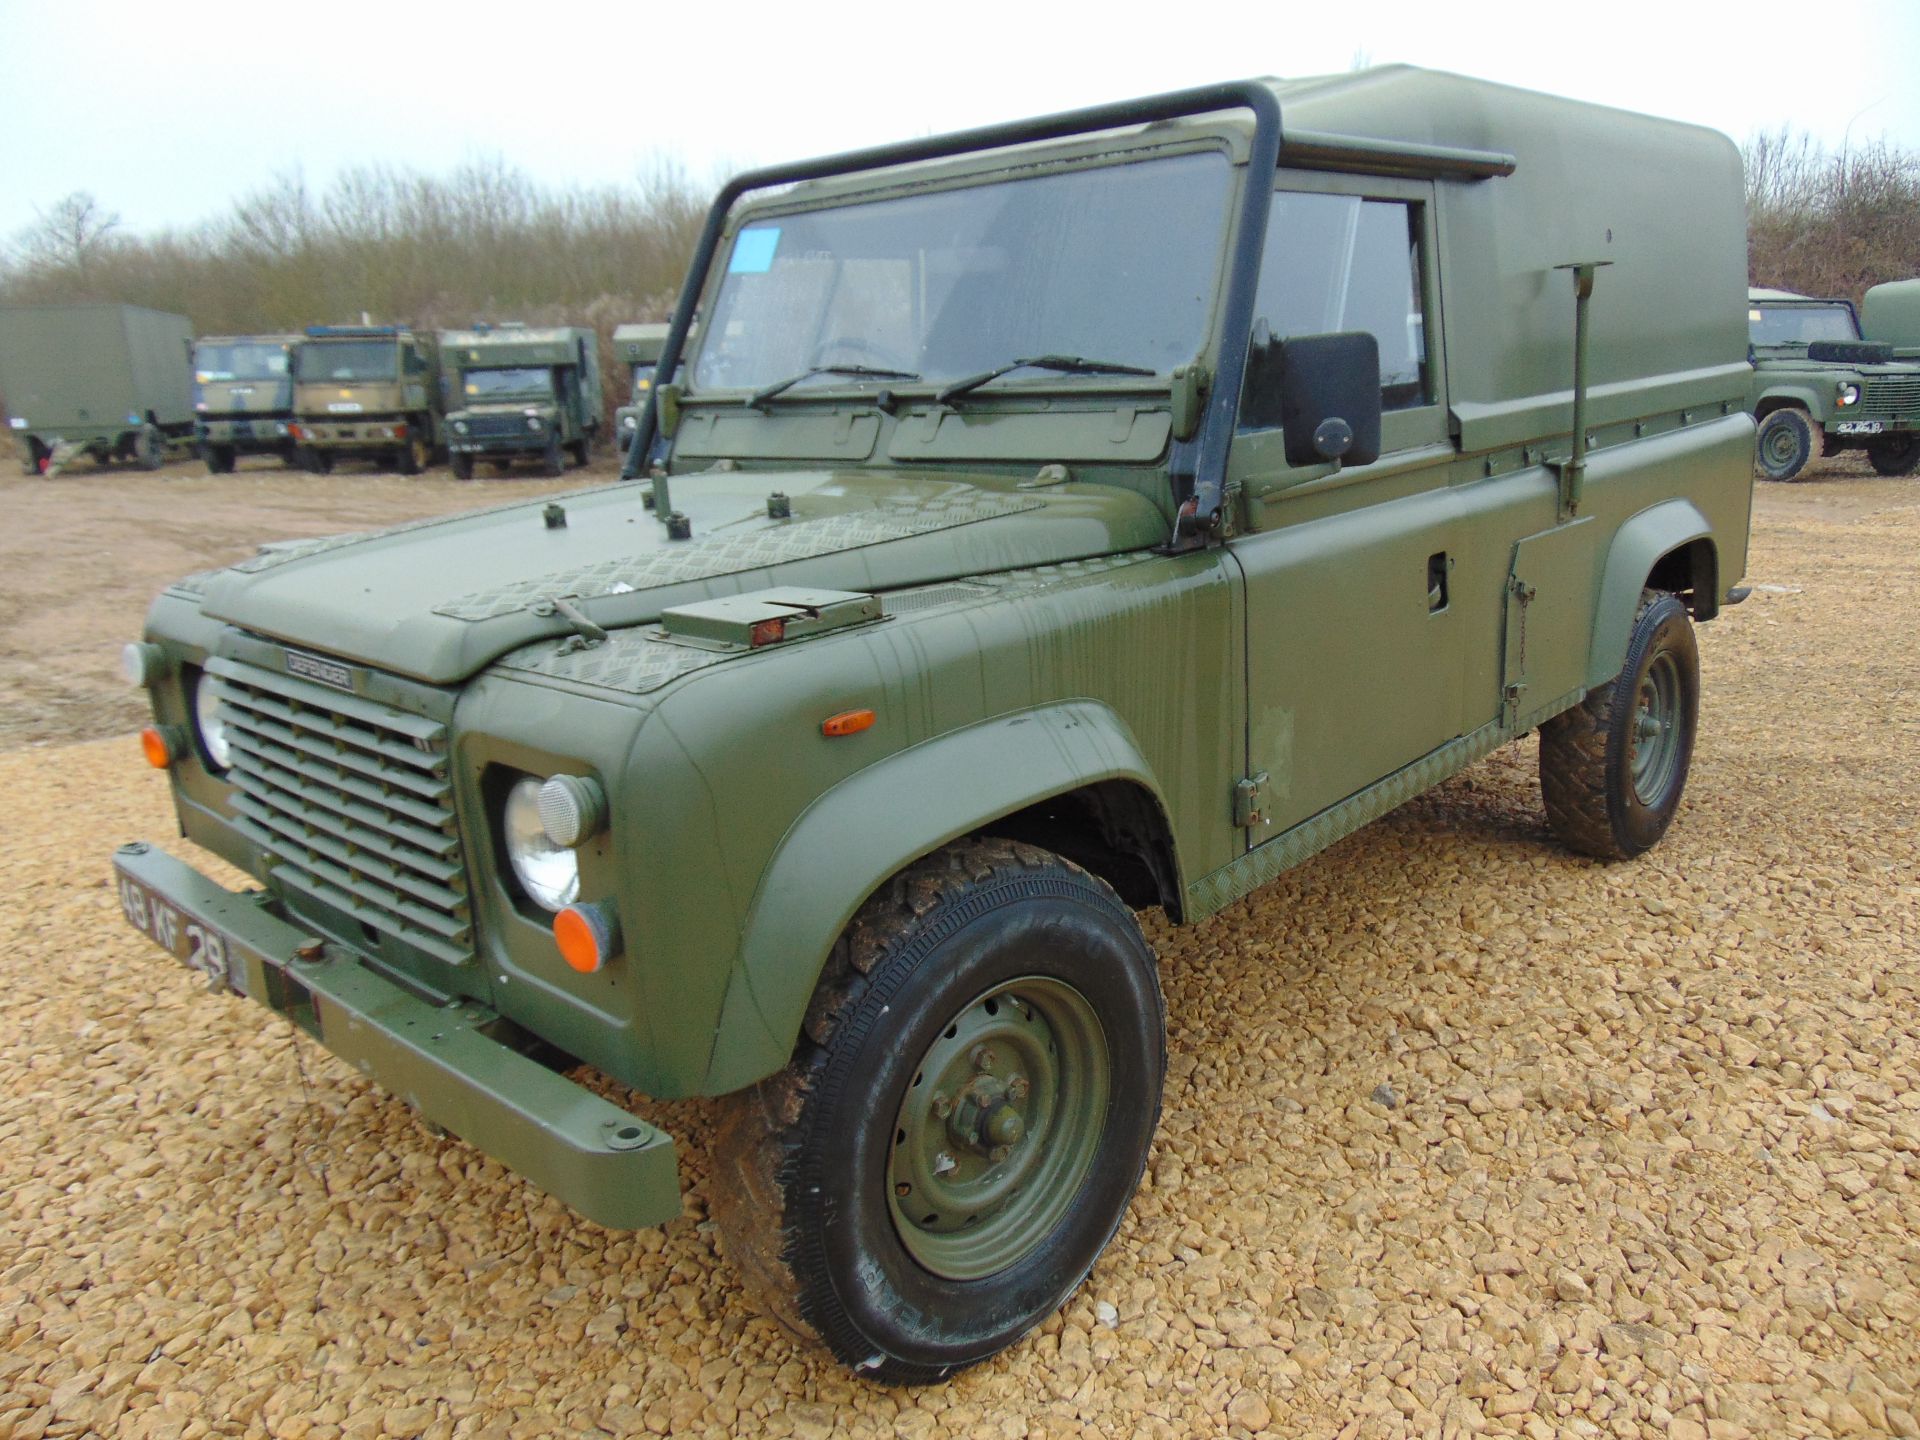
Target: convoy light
x=459 y=427
x=141 y=663
x=1847 y=392
x=533 y=422
x=572 y=809
x=215 y=741
x=588 y=935
x=549 y=873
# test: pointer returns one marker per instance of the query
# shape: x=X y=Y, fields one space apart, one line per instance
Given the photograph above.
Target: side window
x=1340 y=263
x=416 y=362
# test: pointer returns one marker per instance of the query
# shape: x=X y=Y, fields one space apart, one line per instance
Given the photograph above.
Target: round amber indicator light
x=155 y=747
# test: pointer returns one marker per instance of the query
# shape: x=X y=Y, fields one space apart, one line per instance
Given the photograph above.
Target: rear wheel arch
x=1691 y=571
x=1670 y=541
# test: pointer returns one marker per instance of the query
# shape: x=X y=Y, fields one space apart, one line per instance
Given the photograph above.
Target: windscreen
x=246 y=360
x=517 y=381
x=348 y=360
x=1117 y=263
x=1800 y=324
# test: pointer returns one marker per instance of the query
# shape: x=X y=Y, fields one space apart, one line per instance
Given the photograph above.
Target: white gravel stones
x=1651 y=1170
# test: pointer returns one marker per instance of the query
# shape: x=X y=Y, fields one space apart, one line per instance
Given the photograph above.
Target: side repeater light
x=847 y=722
x=588 y=935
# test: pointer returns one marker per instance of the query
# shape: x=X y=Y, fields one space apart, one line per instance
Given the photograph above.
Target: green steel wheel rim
x=998 y=1128
x=1656 y=730
x=1782 y=447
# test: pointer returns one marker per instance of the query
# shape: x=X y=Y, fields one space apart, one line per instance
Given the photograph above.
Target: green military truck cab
x=110 y=382
x=637 y=349
x=1005 y=560
x=367 y=392
x=521 y=393
x=1819 y=387
x=243 y=398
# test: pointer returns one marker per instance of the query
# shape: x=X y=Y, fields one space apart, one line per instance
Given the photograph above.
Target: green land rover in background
x=1819 y=388
x=1047 y=522
x=521 y=393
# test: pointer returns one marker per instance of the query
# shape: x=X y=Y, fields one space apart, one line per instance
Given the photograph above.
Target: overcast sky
x=167 y=112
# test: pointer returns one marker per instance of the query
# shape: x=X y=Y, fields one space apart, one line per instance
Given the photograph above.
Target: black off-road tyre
x=1784 y=445
x=416 y=455
x=150 y=448
x=320 y=462
x=581 y=451
x=553 y=460
x=220 y=459
x=461 y=464
x=1895 y=454
x=1613 y=768
x=808 y=1173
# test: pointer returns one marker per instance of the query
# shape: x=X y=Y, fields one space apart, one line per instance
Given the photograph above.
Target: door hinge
x=1250 y=801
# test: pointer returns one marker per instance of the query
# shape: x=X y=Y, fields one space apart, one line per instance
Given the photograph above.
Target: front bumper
x=445 y=1060
x=354 y=435
x=264 y=433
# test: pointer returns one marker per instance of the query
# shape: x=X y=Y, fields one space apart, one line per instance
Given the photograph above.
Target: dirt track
x=1652 y=1165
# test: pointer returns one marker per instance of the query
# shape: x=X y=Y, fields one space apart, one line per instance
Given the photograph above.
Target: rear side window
x=1341 y=263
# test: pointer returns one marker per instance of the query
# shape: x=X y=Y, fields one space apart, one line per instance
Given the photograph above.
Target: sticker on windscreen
x=753 y=250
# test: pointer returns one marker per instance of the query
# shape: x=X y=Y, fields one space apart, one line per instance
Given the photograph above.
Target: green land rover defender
x=1048 y=522
x=521 y=394
x=637 y=349
x=1819 y=388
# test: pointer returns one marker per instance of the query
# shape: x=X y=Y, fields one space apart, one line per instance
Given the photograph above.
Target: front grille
x=355 y=800
x=495 y=427
x=1893 y=395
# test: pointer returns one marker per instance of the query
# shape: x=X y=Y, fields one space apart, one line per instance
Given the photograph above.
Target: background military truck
x=637 y=349
x=1890 y=314
x=243 y=398
x=367 y=392
x=1015 y=561
x=1819 y=388
x=520 y=393
x=108 y=381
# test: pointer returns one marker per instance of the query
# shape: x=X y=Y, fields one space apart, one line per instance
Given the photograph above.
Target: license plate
x=1859 y=427
x=345 y=407
x=192 y=942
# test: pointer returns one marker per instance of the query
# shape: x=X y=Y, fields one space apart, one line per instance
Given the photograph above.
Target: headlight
x=215 y=743
x=549 y=873
x=1849 y=394
x=459 y=427
x=533 y=422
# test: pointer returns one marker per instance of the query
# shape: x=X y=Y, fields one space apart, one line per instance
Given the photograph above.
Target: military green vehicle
x=1890 y=314
x=367 y=392
x=1007 y=559
x=110 y=382
x=638 y=348
x=243 y=398
x=1820 y=388
x=521 y=393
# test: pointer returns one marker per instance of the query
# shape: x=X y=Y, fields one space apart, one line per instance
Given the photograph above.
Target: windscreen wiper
x=857 y=372
x=1066 y=364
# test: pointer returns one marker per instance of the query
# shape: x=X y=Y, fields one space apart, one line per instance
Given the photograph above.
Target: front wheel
x=220 y=459
x=964 y=1121
x=150 y=448
x=553 y=460
x=1612 y=769
x=1783 y=445
x=461 y=464
x=1895 y=455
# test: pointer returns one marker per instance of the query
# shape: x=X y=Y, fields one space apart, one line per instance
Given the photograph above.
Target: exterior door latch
x=1250 y=801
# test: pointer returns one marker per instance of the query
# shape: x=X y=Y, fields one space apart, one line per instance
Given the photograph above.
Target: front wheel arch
x=845 y=847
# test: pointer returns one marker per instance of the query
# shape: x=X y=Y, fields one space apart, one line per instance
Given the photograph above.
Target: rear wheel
x=1895 y=454
x=1783 y=445
x=320 y=462
x=1613 y=768
x=150 y=448
x=964 y=1121
x=220 y=459
x=414 y=456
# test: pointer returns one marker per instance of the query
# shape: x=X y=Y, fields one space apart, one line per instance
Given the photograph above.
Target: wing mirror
x=1322 y=390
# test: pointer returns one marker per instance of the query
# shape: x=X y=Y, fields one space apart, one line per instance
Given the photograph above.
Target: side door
x=1354 y=646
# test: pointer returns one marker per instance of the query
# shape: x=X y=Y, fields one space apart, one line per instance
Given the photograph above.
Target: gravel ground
x=1462 y=1135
